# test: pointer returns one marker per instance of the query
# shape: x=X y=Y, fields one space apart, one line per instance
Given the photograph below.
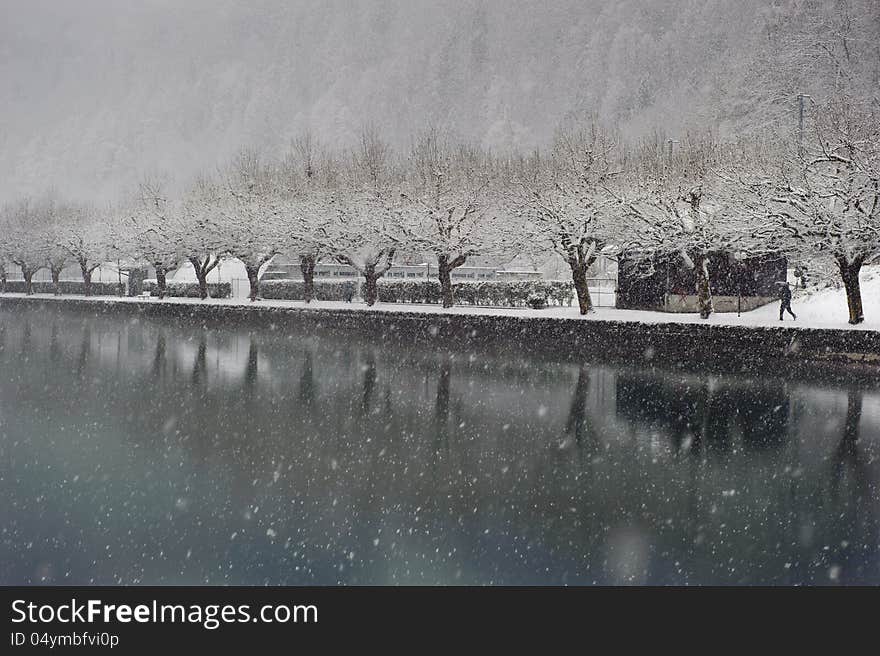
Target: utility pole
x=801 y=97
x=669 y=143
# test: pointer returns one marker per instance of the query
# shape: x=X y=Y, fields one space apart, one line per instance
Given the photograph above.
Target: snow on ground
x=827 y=307
x=819 y=309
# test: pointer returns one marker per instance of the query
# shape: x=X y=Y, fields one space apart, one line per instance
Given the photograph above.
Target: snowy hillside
x=96 y=92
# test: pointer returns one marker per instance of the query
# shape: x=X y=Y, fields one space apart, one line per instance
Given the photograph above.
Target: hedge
x=422 y=290
x=76 y=287
x=189 y=289
x=325 y=290
x=508 y=293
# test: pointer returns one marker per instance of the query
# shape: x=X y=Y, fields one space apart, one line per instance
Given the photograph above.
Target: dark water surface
x=147 y=451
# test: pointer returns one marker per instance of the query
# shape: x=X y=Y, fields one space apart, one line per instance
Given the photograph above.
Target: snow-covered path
x=827 y=308
x=822 y=309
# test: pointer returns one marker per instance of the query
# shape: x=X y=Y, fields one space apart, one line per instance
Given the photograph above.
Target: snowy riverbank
x=823 y=309
x=751 y=341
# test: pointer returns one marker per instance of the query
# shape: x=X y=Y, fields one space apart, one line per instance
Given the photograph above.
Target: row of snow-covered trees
x=360 y=207
x=48 y=233
x=816 y=201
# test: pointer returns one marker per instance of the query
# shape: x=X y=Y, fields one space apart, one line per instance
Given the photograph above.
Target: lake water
x=140 y=451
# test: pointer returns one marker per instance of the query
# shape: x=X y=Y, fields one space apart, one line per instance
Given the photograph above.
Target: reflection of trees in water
x=853 y=499
x=847 y=453
x=578 y=423
x=54 y=344
x=762 y=412
x=441 y=403
x=561 y=505
x=158 y=368
x=369 y=384
x=705 y=412
x=249 y=388
x=26 y=338
x=251 y=371
x=306 y=394
x=84 y=351
x=389 y=408
x=441 y=415
x=200 y=365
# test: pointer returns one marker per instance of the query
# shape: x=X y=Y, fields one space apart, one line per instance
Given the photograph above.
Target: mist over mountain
x=97 y=92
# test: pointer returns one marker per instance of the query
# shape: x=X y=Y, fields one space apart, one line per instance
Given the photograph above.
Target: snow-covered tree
x=248 y=209
x=88 y=237
x=168 y=229
x=365 y=234
x=677 y=205
x=5 y=229
x=52 y=233
x=365 y=227
x=822 y=200
x=152 y=228
x=310 y=173
x=563 y=201
x=202 y=237
x=21 y=239
x=447 y=207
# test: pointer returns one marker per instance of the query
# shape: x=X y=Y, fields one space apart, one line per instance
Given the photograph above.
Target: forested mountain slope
x=95 y=92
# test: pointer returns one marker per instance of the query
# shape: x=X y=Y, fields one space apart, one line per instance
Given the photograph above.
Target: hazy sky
x=97 y=92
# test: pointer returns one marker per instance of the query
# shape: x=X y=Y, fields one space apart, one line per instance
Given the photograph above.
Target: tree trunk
x=253 y=274
x=849 y=271
x=704 y=292
x=371 y=290
x=579 y=277
x=56 y=279
x=446 y=266
x=307 y=266
x=2 y=278
x=87 y=279
x=28 y=276
x=203 y=284
x=160 y=281
x=201 y=276
x=445 y=274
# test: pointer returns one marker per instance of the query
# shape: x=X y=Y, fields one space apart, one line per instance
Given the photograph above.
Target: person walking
x=785 y=300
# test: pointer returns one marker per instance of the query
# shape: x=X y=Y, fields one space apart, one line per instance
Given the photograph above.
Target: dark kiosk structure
x=664 y=283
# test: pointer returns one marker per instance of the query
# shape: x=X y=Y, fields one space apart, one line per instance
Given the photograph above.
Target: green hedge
x=294 y=290
x=66 y=287
x=189 y=289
